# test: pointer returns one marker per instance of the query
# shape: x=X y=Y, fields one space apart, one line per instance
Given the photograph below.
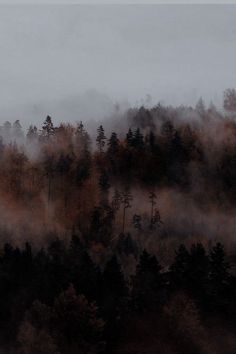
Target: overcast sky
x=51 y=55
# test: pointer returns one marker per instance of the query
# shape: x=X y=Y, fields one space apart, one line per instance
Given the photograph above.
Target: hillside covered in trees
x=122 y=239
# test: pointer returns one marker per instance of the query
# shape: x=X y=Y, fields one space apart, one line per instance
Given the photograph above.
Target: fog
x=52 y=56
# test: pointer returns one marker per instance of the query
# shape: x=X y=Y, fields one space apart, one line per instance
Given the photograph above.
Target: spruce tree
x=101 y=139
x=48 y=129
x=148 y=282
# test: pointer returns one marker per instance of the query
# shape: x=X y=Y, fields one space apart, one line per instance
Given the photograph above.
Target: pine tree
x=32 y=134
x=113 y=145
x=151 y=141
x=84 y=274
x=101 y=139
x=17 y=130
x=48 y=129
x=219 y=276
x=83 y=141
x=179 y=268
x=104 y=187
x=138 y=142
x=129 y=138
x=197 y=273
x=219 y=267
x=114 y=278
x=148 y=283
x=200 y=107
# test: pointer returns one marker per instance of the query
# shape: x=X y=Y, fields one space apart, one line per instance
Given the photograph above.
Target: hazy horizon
x=54 y=58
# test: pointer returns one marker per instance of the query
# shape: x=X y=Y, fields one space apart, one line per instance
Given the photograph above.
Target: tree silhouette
x=219 y=276
x=147 y=283
x=48 y=129
x=104 y=187
x=32 y=134
x=101 y=139
x=129 y=138
x=17 y=131
x=179 y=268
x=138 y=142
x=113 y=145
x=83 y=141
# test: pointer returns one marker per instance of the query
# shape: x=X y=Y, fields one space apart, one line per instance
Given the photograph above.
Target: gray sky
x=52 y=55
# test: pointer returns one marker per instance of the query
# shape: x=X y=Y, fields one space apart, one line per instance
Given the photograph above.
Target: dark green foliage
x=138 y=142
x=101 y=223
x=129 y=138
x=114 y=278
x=113 y=152
x=219 y=277
x=83 y=273
x=127 y=245
x=40 y=309
x=179 y=268
x=101 y=139
x=190 y=272
x=148 y=282
x=113 y=146
x=114 y=298
x=48 y=129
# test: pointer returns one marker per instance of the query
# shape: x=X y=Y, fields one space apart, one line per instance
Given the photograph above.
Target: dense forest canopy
x=108 y=238
x=54 y=179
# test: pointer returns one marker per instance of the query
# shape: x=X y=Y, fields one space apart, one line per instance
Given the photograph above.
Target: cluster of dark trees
x=163 y=147
x=58 y=300
x=104 y=290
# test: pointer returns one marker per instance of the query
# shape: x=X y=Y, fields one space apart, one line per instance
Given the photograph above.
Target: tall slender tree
x=101 y=139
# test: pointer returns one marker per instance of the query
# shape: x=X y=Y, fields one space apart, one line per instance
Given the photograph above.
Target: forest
x=121 y=238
